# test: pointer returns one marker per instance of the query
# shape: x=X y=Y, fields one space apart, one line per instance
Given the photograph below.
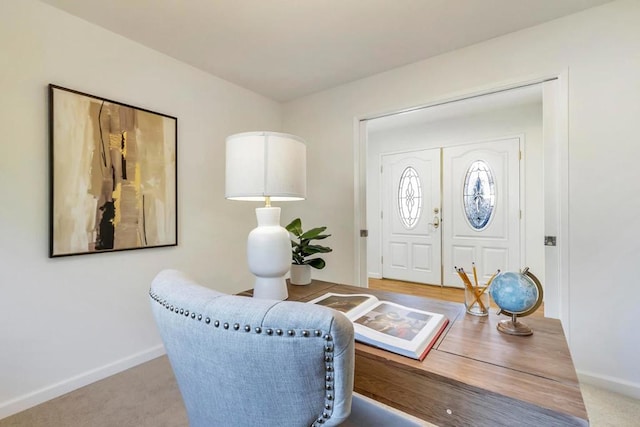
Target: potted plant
x=302 y=249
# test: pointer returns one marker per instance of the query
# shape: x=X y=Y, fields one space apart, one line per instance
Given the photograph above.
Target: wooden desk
x=474 y=375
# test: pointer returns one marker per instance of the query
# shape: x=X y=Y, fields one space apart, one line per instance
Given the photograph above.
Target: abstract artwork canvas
x=113 y=175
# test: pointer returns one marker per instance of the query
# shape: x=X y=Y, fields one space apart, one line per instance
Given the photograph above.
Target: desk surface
x=474 y=375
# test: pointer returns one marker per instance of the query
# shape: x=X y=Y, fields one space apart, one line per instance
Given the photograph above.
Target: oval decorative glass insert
x=479 y=194
x=409 y=198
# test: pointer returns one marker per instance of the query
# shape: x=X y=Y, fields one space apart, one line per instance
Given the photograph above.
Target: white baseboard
x=615 y=385
x=44 y=394
x=374 y=275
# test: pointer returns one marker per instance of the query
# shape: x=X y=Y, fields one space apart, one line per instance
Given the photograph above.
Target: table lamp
x=267 y=166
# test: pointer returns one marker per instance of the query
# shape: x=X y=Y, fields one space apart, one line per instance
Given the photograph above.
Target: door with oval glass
x=411 y=247
x=477 y=220
x=481 y=208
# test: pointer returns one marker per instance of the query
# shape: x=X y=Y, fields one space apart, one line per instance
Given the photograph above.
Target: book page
x=397 y=326
x=394 y=321
x=349 y=304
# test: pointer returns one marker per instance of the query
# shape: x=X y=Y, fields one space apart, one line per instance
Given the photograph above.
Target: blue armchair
x=242 y=361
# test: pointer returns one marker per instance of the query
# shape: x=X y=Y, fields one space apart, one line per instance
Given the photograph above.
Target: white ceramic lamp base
x=269 y=255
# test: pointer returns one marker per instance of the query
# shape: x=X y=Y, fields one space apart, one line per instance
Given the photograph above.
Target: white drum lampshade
x=267 y=166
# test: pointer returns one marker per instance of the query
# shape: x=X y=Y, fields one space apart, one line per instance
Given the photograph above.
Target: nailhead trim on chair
x=328 y=348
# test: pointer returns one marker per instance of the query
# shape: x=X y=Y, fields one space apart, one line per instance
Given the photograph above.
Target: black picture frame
x=113 y=175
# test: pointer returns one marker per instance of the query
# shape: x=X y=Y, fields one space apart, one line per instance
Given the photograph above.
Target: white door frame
x=556 y=143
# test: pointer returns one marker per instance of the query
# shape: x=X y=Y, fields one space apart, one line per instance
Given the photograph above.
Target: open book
x=393 y=327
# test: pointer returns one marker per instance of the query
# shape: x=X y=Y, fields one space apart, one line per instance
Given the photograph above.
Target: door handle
x=436 y=222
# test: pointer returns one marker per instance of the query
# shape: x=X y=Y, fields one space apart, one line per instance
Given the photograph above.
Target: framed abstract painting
x=113 y=175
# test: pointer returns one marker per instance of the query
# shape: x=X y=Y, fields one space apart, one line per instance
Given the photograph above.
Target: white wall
x=65 y=322
x=521 y=120
x=598 y=49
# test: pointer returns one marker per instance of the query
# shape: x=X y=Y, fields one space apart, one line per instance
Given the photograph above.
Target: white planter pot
x=300 y=274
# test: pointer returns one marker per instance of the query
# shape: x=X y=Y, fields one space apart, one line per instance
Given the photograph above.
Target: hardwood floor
x=444 y=293
x=418 y=289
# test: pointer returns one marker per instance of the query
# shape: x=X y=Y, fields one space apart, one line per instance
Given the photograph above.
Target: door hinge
x=364 y=233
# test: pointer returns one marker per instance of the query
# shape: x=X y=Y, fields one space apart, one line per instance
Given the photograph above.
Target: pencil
x=470 y=287
x=475 y=273
x=464 y=277
x=493 y=277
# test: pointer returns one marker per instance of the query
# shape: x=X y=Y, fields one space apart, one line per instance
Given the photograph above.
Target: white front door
x=411 y=246
x=481 y=209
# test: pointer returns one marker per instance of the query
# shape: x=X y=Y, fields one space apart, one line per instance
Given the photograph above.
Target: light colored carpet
x=608 y=409
x=144 y=396
x=148 y=396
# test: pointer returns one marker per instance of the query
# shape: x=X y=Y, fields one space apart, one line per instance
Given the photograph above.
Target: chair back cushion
x=241 y=361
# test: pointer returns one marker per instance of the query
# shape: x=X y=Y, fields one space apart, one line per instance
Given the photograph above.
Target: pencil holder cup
x=476 y=300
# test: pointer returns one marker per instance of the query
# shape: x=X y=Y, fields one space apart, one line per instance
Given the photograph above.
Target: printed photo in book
x=387 y=325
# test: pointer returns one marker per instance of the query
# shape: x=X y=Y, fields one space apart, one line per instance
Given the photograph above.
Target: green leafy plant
x=301 y=247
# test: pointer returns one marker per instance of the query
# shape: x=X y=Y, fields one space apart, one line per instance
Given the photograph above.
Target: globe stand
x=513 y=327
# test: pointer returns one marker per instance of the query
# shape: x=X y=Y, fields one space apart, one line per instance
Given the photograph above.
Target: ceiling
x=285 y=49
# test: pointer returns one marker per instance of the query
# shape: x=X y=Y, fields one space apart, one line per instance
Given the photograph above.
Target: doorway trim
x=556 y=219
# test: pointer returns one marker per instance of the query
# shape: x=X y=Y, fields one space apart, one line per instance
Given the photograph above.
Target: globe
x=515 y=293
